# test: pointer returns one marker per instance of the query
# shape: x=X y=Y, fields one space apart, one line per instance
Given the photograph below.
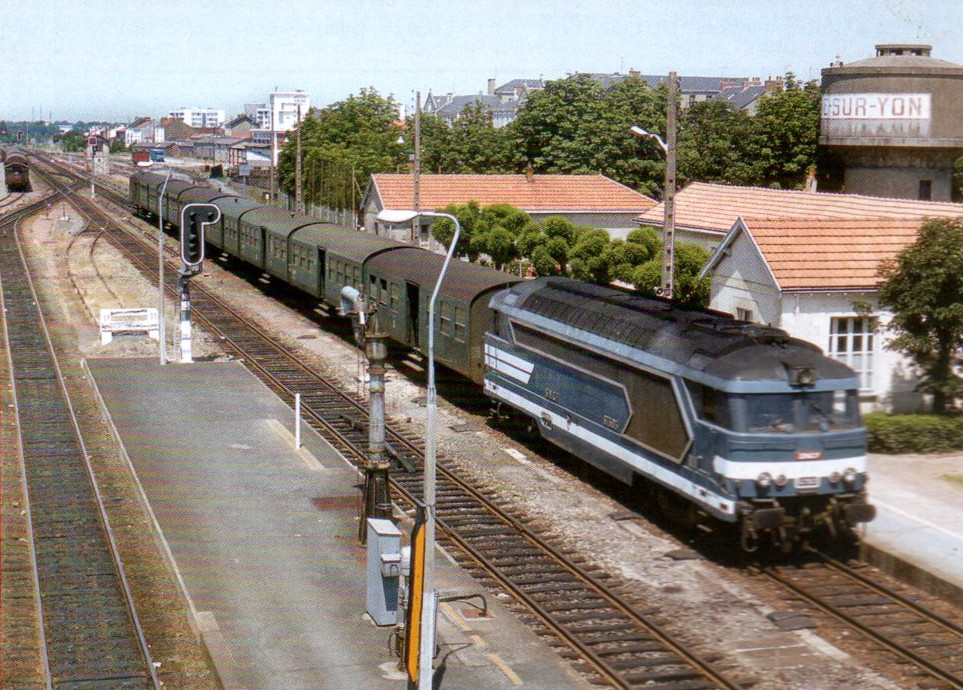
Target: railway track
x=91 y=635
x=916 y=634
x=614 y=643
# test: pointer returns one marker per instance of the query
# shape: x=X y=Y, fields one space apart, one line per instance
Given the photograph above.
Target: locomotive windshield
x=779 y=413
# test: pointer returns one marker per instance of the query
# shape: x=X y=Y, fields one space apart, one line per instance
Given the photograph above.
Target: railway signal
x=193 y=219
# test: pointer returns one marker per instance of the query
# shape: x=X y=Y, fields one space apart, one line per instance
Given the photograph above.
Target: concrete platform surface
x=263 y=539
x=918 y=531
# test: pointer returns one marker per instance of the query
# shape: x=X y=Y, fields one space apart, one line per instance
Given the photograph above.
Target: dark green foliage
x=341 y=145
x=714 y=144
x=923 y=287
x=785 y=136
x=918 y=433
x=575 y=126
x=474 y=145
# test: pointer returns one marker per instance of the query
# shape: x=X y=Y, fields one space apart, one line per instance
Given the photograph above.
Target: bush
x=914 y=433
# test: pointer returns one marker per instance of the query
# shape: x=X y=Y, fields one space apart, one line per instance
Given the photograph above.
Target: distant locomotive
x=16 y=170
x=744 y=423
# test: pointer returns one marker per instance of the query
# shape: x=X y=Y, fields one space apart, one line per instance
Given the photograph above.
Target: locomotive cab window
x=778 y=413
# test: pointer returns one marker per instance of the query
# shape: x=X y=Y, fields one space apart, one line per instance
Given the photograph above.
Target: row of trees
x=510 y=240
x=575 y=126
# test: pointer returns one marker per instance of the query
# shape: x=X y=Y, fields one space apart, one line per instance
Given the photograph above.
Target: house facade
x=139 y=131
x=812 y=278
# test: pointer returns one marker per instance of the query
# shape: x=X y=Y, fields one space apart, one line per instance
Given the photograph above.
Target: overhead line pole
x=668 y=239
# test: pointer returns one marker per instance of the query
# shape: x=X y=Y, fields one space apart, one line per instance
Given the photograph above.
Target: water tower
x=896 y=120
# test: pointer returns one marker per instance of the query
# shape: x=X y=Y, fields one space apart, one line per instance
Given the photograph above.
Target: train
x=717 y=420
x=16 y=170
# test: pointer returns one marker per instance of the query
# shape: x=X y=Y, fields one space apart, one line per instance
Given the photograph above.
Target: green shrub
x=914 y=433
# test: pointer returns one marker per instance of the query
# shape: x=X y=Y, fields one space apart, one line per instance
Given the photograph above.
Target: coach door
x=414 y=304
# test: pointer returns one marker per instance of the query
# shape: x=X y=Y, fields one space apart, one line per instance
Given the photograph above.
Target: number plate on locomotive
x=807 y=483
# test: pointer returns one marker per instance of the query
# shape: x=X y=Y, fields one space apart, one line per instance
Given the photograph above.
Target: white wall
x=809 y=316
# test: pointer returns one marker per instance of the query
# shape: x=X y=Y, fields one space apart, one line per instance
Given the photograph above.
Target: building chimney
x=491 y=87
x=529 y=173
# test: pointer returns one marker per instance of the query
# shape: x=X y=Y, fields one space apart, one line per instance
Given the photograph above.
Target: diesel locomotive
x=731 y=421
x=16 y=170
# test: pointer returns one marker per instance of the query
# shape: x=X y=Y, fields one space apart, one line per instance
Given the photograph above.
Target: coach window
x=445 y=319
x=461 y=321
x=383 y=294
x=395 y=296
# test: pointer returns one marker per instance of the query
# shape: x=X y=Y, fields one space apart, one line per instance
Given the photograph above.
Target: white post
x=297 y=420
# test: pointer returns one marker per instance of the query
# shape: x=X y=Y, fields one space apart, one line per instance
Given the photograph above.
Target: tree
x=785 y=135
x=342 y=144
x=713 y=144
x=474 y=144
x=923 y=287
x=468 y=216
x=576 y=126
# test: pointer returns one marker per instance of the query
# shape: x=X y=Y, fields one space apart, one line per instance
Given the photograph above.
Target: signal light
x=193 y=219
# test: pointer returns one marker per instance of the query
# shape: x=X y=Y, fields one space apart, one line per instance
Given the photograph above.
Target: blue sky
x=116 y=59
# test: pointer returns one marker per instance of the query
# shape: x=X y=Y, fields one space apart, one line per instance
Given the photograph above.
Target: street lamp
x=429 y=602
x=162 y=334
x=667 y=287
x=638 y=131
x=161 y=331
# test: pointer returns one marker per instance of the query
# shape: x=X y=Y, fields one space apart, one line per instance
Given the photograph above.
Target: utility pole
x=298 y=198
x=668 y=240
x=274 y=153
x=416 y=170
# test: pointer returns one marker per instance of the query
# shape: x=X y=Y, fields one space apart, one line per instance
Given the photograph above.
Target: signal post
x=194 y=217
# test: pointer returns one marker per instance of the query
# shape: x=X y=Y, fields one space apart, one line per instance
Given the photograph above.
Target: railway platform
x=918 y=531
x=262 y=538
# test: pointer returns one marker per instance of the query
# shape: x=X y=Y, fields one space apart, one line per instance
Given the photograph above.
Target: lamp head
x=389 y=215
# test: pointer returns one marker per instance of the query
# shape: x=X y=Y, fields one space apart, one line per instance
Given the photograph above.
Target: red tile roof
x=543 y=193
x=830 y=254
x=715 y=207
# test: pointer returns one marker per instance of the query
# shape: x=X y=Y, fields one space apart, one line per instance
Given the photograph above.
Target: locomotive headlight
x=849 y=475
x=834 y=478
x=780 y=480
x=764 y=480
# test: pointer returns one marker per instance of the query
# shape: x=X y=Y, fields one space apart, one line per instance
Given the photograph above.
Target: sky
x=117 y=59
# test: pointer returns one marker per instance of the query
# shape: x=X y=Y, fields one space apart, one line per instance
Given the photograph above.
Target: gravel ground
x=703 y=603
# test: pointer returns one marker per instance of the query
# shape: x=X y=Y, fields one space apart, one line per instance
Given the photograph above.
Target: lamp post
x=429 y=599
x=161 y=331
x=667 y=287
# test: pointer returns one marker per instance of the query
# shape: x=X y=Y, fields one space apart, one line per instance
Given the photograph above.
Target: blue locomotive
x=745 y=424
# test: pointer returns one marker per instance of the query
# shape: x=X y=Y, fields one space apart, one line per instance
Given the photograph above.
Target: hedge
x=914 y=433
